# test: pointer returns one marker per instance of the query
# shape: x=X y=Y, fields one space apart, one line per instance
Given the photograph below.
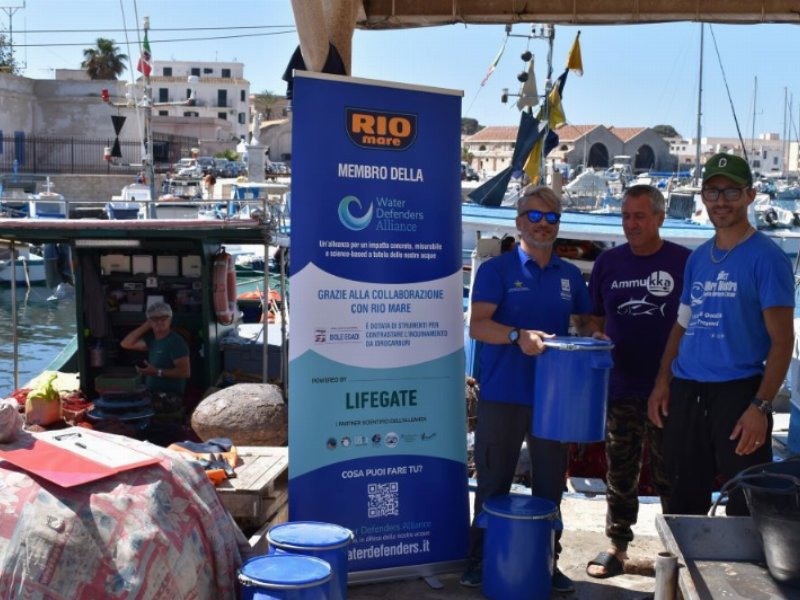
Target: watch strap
x=762 y=405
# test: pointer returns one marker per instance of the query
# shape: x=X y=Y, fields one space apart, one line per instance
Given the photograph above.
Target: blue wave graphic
x=346 y=217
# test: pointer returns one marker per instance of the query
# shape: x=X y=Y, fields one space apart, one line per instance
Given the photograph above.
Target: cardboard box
x=115 y=263
x=142 y=264
x=191 y=266
x=167 y=265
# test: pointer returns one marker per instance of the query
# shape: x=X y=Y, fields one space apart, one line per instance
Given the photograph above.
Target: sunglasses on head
x=535 y=216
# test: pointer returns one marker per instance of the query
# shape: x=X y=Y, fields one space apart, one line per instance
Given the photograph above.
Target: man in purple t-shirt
x=635 y=290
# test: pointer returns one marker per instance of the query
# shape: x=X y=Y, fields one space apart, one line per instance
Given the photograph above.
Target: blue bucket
x=323 y=540
x=570 y=391
x=518 y=547
x=285 y=577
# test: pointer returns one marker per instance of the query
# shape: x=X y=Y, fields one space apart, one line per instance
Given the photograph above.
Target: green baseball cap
x=731 y=166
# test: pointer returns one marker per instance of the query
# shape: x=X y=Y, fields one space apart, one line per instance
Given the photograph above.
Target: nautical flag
x=528 y=94
x=492 y=191
x=574 y=61
x=143 y=66
x=496 y=60
x=556 y=117
x=533 y=164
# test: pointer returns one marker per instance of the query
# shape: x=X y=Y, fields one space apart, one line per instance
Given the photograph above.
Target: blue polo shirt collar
x=524 y=258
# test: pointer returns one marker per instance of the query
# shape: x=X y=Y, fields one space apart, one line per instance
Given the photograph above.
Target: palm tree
x=105 y=61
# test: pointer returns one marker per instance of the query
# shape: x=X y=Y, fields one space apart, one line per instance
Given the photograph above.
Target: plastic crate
x=118 y=380
x=247 y=358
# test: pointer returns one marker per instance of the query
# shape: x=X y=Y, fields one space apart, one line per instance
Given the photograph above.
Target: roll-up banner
x=376 y=376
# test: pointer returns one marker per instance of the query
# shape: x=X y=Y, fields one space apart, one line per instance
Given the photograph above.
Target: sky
x=634 y=76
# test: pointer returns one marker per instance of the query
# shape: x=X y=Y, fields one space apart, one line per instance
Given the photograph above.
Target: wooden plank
x=260 y=487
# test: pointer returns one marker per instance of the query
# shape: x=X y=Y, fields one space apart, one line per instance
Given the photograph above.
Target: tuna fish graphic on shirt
x=635 y=308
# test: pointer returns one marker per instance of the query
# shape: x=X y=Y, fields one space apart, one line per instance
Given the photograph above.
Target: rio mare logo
x=378 y=129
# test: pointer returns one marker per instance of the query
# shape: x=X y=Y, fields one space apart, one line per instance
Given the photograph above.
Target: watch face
x=513 y=335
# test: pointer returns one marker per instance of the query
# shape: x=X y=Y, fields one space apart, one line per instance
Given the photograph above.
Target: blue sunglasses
x=534 y=216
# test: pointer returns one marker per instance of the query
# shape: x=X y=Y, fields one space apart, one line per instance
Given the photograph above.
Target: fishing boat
x=26 y=268
x=122 y=265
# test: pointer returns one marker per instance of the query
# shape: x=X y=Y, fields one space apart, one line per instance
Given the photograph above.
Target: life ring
x=224 y=286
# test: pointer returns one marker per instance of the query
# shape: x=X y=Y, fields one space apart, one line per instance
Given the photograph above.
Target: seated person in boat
x=167 y=366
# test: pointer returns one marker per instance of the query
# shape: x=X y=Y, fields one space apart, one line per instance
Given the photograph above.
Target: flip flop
x=609 y=562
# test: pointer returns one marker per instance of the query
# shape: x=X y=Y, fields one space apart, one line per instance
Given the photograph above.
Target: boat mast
x=698 y=166
x=785 y=144
x=753 y=124
x=147 y=159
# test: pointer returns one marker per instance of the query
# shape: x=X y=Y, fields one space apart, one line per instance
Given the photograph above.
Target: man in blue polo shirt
x=520 y=299
x=728 y=353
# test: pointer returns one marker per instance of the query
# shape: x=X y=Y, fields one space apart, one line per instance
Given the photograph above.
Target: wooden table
x=260 y=488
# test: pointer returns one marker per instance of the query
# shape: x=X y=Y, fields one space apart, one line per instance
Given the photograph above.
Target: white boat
x=26 y=269
x=48 y=204
x=130 y=202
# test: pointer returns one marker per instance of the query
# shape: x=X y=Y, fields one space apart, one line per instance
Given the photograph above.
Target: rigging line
x=728 y=91
x=132 y=87
x=199 y=39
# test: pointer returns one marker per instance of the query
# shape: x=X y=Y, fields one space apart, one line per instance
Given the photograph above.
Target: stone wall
x=92 y=188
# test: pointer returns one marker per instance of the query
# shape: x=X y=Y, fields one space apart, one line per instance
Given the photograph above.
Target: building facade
x=222 y=94
x=579 y=146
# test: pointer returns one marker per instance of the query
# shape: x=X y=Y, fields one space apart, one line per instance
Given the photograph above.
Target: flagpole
x=147 y=100
x=550 y=32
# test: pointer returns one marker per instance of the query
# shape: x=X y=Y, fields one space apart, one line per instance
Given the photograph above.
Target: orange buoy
x=224 y=288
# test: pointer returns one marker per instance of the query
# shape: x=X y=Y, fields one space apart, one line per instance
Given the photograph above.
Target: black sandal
x=609 y=562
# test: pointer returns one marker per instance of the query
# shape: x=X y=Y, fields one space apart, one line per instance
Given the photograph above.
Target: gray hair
x=657 y=202
x=159 y=309
x=544 y=193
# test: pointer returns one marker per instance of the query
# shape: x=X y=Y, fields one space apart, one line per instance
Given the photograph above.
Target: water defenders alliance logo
x=348 y=219
x=377 y=129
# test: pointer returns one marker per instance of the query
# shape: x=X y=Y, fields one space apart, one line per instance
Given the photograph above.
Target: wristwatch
x=513 y=335
x=160 y=373
x=762 y=405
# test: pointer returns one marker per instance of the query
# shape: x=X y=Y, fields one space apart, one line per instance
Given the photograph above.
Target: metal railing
x=75 y=155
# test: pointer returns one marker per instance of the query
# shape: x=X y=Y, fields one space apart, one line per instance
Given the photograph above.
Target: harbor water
x=44 y=328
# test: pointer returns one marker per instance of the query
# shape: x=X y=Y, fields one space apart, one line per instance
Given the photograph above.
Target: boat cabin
x=123 y=266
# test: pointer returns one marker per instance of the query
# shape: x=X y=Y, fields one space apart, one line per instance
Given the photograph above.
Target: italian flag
x=143 y=66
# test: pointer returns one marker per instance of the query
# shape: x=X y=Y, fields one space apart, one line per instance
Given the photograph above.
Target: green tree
x=7 y=62
x=666 y=131
x=264 y=103
x=470 y=126
x=105 y=61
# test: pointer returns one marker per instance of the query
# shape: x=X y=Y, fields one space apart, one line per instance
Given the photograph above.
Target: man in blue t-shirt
x=728 y=353
x=520 y=299
x=635 y=290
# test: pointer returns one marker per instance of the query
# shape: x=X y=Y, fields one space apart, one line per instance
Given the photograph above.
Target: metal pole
x=550 y=32
x=14 y=338
x=149 y=163
x=265 y=313
x=284 y=335
x=698 y=166
x=666 y=576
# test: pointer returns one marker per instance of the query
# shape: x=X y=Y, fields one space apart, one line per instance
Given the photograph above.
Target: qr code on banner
x=383 y=500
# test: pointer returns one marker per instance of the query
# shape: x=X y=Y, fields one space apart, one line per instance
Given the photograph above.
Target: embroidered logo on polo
x=519 y=287
x=565 y=290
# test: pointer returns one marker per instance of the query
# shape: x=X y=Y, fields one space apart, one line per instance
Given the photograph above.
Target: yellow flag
x=574 y=61
x=557 y=117
x=534 y=161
